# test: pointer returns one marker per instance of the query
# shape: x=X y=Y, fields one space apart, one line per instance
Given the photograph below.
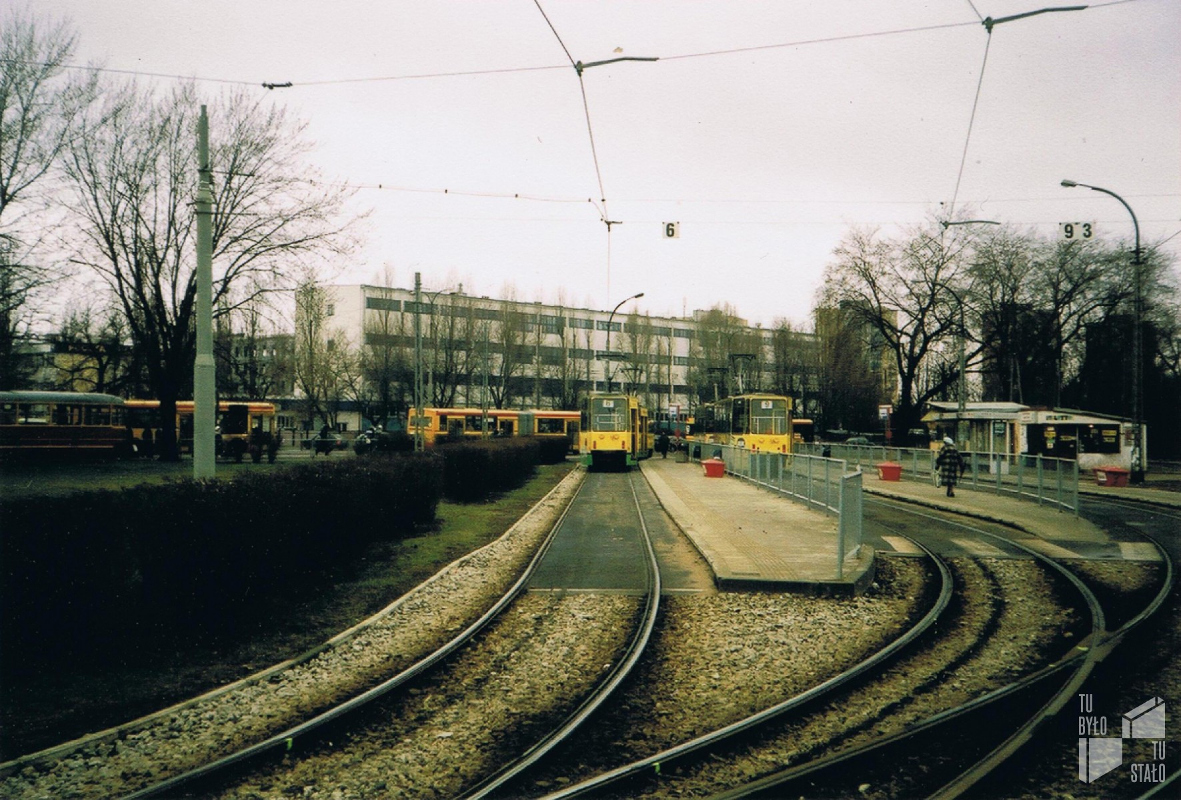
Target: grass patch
x=464 y=527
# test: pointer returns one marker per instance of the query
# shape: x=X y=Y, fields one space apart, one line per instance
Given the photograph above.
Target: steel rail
x=285 y=739
x=606 y=688
x=1080 y=653
x=1147 y=506
x=1104 y=643
x=829 y=686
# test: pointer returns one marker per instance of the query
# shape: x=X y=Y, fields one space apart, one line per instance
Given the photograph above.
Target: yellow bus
x=242 y=427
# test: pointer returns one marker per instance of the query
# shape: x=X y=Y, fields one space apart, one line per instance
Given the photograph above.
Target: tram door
x=634 y=412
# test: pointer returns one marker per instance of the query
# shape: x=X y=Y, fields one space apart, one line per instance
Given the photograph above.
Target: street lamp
x=610 y=374
x=947 y=225
x=1138 y=463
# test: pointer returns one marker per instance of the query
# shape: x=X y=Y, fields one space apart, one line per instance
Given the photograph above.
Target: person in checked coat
x=951 y=465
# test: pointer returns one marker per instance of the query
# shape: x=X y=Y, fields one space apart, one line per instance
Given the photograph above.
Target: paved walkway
x=756 y=539
x=753 y=538
x=1055 y=533
x=1141 y=494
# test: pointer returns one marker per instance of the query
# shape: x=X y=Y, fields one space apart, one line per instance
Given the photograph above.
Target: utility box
x=889 y=471
x=714 y=468
x=1111 y=476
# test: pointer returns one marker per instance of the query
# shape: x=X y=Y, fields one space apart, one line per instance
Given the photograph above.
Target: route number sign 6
x=1074 y=231
x=672 y=230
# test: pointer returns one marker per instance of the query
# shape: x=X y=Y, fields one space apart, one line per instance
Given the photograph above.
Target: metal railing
x=1046 y=481
x=824 y=484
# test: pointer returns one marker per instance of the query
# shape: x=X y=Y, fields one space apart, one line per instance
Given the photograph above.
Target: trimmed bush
x=476 y=469
x=187 y=556
x=553 y=451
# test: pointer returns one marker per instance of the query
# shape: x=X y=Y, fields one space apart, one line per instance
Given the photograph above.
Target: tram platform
x=754 y=539
x=1053 y=532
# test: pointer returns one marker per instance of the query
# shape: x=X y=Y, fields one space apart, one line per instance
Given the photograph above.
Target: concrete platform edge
x=864 y=567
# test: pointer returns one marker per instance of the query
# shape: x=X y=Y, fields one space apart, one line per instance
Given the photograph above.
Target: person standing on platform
x=950 y=464
x=662 y=444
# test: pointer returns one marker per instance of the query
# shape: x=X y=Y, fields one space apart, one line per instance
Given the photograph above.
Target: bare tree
x=134 y=170
x=508 y=341
x=913 y=293
x=452 y=355
x=386 y=361
x=848 y=384
x=326 y=368
x=639 y=341
x=794 y=366
x=253 y=358
x=39 y=106
x=96 y=353
x=720 y=334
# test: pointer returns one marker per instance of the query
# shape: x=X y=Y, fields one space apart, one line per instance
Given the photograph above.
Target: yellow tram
x=441 y=423
x=615 y=431
x=758 y=422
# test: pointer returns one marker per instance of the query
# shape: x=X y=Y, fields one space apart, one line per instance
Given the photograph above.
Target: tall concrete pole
x=419 y=433
x=204 y=371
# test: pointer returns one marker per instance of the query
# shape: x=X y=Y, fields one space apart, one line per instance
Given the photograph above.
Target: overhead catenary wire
x=971 y=122
x=534 y=68
x=578 y=69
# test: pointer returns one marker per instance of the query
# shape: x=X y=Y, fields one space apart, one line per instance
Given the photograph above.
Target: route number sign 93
x=1073 y=231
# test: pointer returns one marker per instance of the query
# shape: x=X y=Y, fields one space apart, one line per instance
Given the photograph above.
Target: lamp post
x=1138 y=464
x=610 y=375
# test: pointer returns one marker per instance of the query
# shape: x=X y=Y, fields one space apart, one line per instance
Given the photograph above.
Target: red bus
x=32 y=421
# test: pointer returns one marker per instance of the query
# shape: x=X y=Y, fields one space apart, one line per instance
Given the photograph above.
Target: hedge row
x=477 y=469
x=187 y=555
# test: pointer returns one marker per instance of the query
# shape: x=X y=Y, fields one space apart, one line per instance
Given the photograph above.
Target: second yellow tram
x=758 y=422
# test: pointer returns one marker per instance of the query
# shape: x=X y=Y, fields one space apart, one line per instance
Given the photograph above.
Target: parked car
x=382 y=442
x=321 y=444
x=859 y=441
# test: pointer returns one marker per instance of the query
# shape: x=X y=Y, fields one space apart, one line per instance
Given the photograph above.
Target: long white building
x=587 y=347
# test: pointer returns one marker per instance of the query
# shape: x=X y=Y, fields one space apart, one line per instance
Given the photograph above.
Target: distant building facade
x=477 y=351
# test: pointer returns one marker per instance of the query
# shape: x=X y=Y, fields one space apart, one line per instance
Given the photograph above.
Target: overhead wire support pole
x=204 y=367
x=419 y=433
x=989 y=22
x=579 y=66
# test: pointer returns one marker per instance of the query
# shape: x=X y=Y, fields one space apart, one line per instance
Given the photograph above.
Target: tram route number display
x=672 y=230
x=1074 y=231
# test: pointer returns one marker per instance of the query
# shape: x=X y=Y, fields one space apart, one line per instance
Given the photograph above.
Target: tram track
x=532 y=727
x=274 y=707
x=970 y=667
x=885 y=767
x=492 y=709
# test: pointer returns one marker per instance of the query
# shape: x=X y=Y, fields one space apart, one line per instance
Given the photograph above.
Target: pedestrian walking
x=950 y=464
x=662 y=444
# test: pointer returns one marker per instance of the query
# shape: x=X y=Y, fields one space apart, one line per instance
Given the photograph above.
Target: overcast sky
x=766 y=129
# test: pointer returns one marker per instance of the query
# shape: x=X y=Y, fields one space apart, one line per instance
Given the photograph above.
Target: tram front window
x=609 y=415
x=769 y=417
